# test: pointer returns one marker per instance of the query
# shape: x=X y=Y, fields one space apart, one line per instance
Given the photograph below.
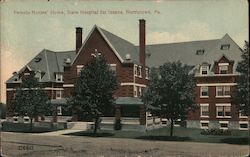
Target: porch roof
x=128 y=101
x=62 y=101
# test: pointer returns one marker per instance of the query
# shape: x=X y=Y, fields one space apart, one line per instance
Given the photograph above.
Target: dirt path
x=18 y=144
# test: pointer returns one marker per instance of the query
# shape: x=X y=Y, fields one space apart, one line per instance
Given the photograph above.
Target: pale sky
x=25 y=35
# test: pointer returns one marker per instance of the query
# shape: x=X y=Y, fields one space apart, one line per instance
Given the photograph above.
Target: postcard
x=158 y=78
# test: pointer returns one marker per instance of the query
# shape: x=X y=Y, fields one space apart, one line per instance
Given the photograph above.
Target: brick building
x=214 y=63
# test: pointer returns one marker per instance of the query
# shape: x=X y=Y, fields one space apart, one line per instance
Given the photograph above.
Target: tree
x=172 y=90
x=241 y=95
x=2 y=110
x=31 y=100
x=93 y=95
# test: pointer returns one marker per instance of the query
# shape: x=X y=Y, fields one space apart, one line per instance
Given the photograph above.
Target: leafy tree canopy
x=241 y=96
x=171 y=90
x=93 y=94
x=30 y=99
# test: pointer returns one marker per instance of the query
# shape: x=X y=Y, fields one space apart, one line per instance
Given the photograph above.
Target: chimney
x=142 y=41
x=78 y=38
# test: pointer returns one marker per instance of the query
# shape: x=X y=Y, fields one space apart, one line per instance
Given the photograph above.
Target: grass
x=180 y=134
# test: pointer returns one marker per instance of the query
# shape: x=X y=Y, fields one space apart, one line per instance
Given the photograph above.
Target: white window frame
x=113 y=65
x=59 y=76
x=140 y=71
x=243 y=122
x=60 y=93
x=135 y=70
x=204 y=121
x=241 y=115
x=26 y=74
x=59 y=110
x=204 y=96
x=201 y=69
x=78 y=69
x=223 y=92
x=223 y=65
x=204 y=105
x=135 y=91
x=139 y=92
x=223 y=122
x=223 y=105
x=147 y=73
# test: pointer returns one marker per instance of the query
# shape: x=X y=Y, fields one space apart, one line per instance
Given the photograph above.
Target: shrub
x=118 y=125
x=215 y=132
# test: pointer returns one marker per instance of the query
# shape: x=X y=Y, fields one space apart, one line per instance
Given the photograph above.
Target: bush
x=118 y=125
x=215 y=132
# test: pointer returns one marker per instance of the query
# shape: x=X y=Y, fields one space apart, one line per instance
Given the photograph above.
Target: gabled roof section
x=120 y=46
x=186 y=52
x=47 y=62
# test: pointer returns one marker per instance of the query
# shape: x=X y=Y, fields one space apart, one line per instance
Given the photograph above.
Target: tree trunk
x=31 y=123
x=172 y=127
x=96 y=124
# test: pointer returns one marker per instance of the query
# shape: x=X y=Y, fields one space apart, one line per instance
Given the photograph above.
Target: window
x=135 y=70
x=113 y=68
x=59 y=110
x=204 y=70
x=177 y=122
x=58 y=94
x=78 y=69
x=223 y=110
x=243 y=125
x=204 y=124
x=139 y=72
x=200 y=52
x=223 y=68
x=135 y=91
x=26 y=74
x=59 y=78
x=223 y=124
x=204 y=110
x=146 y=73
x=225 y=47
x=242 y=115
x=223 y=91
x=139 y=91
x=204 y=91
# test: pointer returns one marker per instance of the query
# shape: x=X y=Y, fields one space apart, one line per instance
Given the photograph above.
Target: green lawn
x=180 y=134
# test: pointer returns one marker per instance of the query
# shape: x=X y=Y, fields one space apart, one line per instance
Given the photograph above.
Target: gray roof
x=128 y=101
x=185 y=52
x=122 y=46
x=156 y=55
x=50 y=63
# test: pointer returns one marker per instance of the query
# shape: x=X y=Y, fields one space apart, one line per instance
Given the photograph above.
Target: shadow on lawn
x=164 y=138
x=240 y=141
x=91 y=134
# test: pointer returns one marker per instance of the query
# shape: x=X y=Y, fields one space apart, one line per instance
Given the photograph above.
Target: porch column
x=74 y=115
x=118 y=112
x=54 y=115
x=143 y=115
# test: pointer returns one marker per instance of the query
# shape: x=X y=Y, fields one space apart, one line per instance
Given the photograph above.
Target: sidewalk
x=73 y=127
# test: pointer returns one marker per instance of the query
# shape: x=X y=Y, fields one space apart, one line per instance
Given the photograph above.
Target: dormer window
x=146 y=73
x=59 y=78
x=204 y=70
x=225 y=47
x=200 y=52
x=78 y=69
x=223 y=68
x=113 y=68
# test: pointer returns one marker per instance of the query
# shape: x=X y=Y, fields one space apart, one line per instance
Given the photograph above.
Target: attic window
x=200 y=52
x=225 y=47
x=38 y=59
